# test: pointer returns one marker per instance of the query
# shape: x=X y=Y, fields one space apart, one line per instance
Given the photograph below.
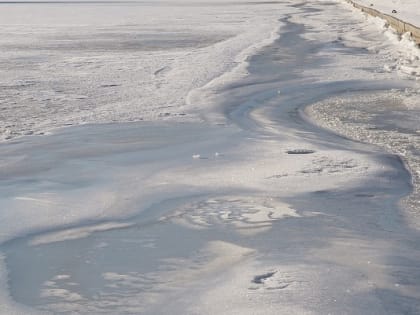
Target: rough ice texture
x=385 y=119
x=79 y=63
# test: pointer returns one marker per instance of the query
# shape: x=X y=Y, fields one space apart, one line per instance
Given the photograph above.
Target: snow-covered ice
x=69 y=64
x=222 y=195
x=404 y=54
x=405 y=10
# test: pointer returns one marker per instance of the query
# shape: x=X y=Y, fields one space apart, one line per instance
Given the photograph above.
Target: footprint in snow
x=270 y=281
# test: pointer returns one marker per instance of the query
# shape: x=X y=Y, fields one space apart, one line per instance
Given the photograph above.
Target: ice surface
x=406 y=10
x=286 y=218
x=75 y=63
x=383 y=118
x=246 y=215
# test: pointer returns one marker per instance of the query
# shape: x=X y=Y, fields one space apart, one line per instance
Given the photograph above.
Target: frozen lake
x=76 y=63
x=194 y=181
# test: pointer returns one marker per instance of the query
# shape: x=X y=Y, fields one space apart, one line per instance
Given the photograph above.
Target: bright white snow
x=406 y=10
x=70 y=64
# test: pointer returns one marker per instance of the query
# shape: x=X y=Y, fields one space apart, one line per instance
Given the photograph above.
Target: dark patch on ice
x=364 y=195
x=298 y=5
x=109 y=85
x=322 y=191
x=161 y=70
x=277 y=176
x=259 y=279
x=300 y=151
x=123 y=41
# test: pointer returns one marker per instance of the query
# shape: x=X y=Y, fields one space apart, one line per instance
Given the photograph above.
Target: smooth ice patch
x=135 y=291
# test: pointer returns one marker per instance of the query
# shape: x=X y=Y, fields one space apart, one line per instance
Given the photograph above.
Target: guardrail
x=399 y=25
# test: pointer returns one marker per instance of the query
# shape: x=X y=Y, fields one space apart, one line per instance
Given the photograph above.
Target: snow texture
x=405 y=10
x=193 y=180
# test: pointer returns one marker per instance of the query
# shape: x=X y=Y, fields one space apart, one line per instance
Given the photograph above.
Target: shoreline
x=399 y=25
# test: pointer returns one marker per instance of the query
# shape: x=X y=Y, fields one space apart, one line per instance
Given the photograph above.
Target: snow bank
x=406 y=10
